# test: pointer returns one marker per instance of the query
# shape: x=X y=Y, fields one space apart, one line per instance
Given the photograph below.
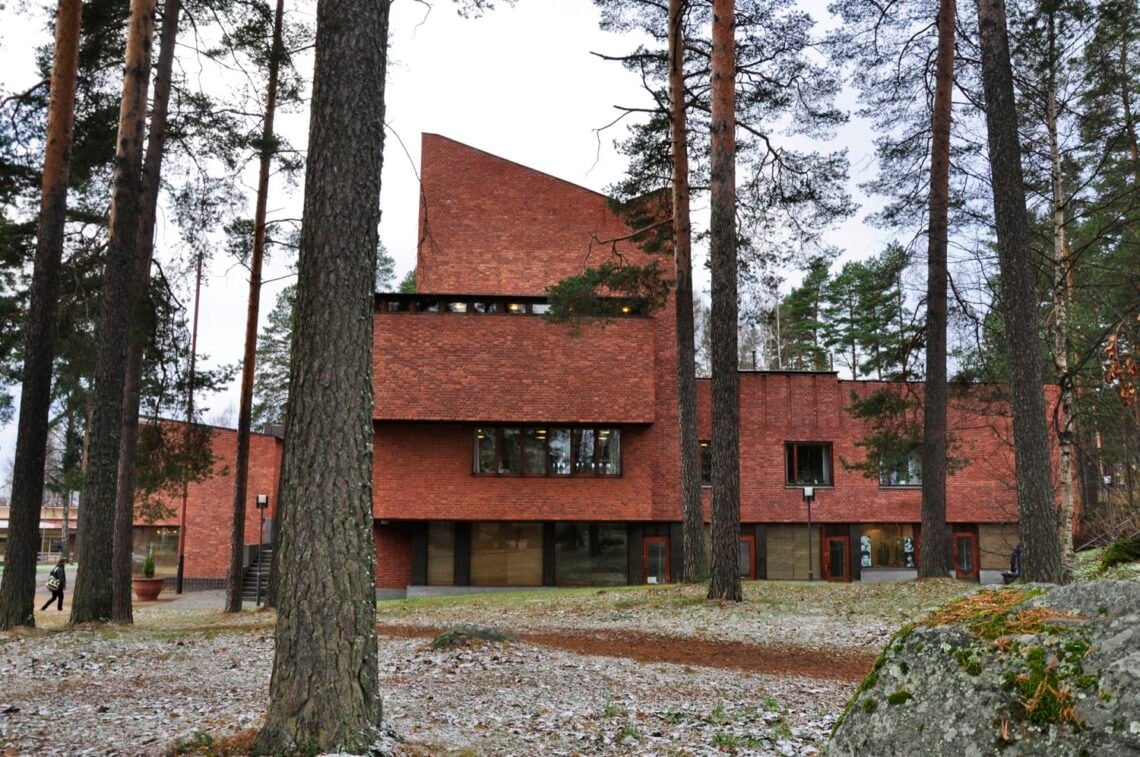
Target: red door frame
x=973 y=537
x=825 y=558
x=645 y=542
x=750 y=539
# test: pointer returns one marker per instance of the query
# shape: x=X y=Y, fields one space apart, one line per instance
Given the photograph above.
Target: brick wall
x=393 y=555
x=809 y=407
x=491 y=226
x=209 y=504
x=518 y=368
x=423 y=471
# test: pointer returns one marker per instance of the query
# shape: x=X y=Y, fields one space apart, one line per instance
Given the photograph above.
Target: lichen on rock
x=1029 y=669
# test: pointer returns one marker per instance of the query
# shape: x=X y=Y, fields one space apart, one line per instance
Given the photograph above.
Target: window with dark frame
x=706 y=463
x=808 y=463
x=547 y=451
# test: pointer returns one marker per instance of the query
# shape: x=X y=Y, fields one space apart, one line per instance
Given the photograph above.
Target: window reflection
x=547 y=450
x=558 y=444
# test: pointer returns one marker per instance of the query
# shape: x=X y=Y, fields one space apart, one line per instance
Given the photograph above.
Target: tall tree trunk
x=249 y=361
x=323 y=693
x=693 y=529
x=934 y=558
x=93 y=597
x=1037 y=512
x=724 y=582
x=180 y=574
x=1062 y=276
x=141 y=317
x=18 y=586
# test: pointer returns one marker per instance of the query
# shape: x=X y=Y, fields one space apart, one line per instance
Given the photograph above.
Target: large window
x=590 y=554
x=887 y=545
x=160 y=542
x=547 y=451
x=506 y=554
x=441 y=554
x=808 y=463
x=904 y=472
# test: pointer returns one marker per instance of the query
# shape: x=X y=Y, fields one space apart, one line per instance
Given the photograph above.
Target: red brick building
x=207 y=518
x=510 y=451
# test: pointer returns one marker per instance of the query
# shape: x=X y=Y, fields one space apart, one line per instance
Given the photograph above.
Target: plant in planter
x=146 y=587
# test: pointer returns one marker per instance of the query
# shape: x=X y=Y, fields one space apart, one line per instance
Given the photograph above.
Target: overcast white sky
x=519 y=82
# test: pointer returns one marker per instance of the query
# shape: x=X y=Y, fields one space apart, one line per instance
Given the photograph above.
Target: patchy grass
x=1120 y=552
x=466 y=634
x=1090 y=565
x=223 y=746
x=656 y=608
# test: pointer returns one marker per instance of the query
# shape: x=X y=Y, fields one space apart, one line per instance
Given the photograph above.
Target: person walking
x=56 y=583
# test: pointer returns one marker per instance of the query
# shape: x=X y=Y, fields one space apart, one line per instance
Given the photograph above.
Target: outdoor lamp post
x=809 y=495
x=262 y=503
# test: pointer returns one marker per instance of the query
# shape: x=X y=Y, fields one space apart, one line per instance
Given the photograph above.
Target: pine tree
x=323 y=693
x=1040 y=542
x=724 y=581
x=93 y=595
x=17 y=587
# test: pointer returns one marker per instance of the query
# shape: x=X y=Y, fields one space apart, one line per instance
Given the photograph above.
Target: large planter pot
x=146 y=589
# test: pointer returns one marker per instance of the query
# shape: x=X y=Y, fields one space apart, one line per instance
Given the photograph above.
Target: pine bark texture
x=141 y=317
x=934 y=559
x=18 y=585
x=324 y=691
x=249 y=361
x=93 y=597
x=724 y=583
x=1062 y=274
x=1040 y=542
x=696 y=564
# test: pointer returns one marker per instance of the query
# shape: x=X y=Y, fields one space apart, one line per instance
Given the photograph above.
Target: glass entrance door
x=655 y=559
x=965 y=554
x=835 y=558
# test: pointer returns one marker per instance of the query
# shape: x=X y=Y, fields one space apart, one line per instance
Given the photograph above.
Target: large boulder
x=1025 y=670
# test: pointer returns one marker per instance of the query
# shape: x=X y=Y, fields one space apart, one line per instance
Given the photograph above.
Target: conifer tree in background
x=696 y=565
x=1038 y=522
x=267 y=148
x=934 y=559
x=724 y=581
x=92 y=599
x=271 y=383
x=141 y=317
x=323 y=693
x=18 y=584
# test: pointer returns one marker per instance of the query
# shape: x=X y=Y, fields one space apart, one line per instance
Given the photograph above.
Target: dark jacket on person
x=60 y=572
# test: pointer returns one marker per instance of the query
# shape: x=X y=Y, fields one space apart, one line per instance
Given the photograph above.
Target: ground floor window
x=506 y=554
x=590 y=554
x=162 y=544
x=887 y=545
x=791 y=553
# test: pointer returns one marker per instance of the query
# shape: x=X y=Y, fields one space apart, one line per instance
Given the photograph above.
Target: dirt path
x=755 y=658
